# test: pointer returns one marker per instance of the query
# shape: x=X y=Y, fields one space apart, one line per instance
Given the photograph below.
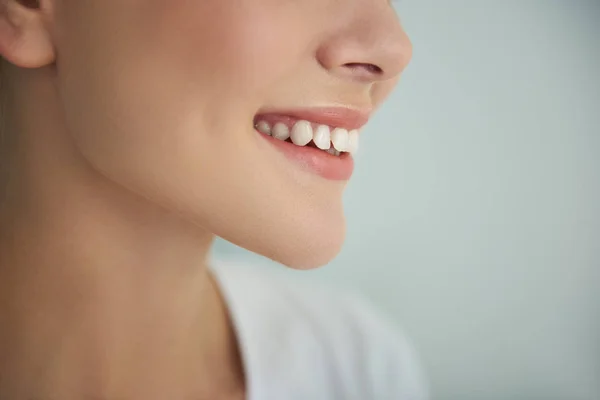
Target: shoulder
x=350 y=349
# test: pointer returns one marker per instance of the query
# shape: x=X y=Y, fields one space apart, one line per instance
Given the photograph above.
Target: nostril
x=30 y=3
x=366 y=67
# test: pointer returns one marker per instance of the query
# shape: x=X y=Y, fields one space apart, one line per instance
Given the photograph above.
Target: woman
x=134 y=132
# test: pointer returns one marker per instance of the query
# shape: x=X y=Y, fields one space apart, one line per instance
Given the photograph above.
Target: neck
x=102 y=293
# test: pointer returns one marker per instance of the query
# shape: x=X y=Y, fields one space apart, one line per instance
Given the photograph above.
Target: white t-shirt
x=300 y=341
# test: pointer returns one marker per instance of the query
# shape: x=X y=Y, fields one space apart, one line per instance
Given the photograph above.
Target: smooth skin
x=128 y=145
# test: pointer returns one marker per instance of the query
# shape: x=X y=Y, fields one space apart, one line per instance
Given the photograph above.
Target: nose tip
x=372 y=48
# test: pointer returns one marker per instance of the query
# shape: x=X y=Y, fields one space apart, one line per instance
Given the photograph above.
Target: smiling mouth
x=305 y=133
x=320 y=140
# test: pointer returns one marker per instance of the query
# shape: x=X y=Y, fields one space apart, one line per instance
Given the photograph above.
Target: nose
x=370 y=45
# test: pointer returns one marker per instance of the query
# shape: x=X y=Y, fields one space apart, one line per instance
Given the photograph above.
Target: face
x=167 y=98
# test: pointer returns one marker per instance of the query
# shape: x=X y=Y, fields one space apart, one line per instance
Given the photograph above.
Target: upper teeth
x=323 y=136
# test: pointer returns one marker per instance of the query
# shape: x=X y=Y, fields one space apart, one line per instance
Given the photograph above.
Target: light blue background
x=474 y=214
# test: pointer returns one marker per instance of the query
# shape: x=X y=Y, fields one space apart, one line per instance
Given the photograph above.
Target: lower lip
x=319 y=162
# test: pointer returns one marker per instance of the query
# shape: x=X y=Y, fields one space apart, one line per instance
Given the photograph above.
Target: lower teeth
x=331 y=150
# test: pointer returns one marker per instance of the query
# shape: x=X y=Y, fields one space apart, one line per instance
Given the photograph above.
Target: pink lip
x=335 y=117
x=337 y=168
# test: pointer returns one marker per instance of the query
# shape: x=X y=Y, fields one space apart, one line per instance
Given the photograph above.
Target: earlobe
x=24 y=38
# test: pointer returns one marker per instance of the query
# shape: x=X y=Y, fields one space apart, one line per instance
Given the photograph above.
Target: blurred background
x=474 y=214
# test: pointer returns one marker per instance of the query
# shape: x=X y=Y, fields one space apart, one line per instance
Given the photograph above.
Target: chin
x=308 y=257
x=303 y=246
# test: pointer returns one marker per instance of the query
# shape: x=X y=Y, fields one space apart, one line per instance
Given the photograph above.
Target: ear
x=24 y=37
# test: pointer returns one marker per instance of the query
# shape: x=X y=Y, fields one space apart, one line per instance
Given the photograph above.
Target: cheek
x=164 y=106
x=240 y=48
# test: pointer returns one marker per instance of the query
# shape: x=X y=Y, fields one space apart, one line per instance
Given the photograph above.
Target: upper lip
x=339 y=117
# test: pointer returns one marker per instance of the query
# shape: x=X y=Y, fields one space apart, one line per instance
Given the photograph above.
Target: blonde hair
x=3 y=151
x=4 y=136
x=3 y=99
x=2 y=107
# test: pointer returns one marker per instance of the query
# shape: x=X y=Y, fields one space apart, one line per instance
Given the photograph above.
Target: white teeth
x=264 y=127
x=339 y=138
x=352 y=147
x=322 y=137
x=333 y=141
x=302 y=133
x=280 y=131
